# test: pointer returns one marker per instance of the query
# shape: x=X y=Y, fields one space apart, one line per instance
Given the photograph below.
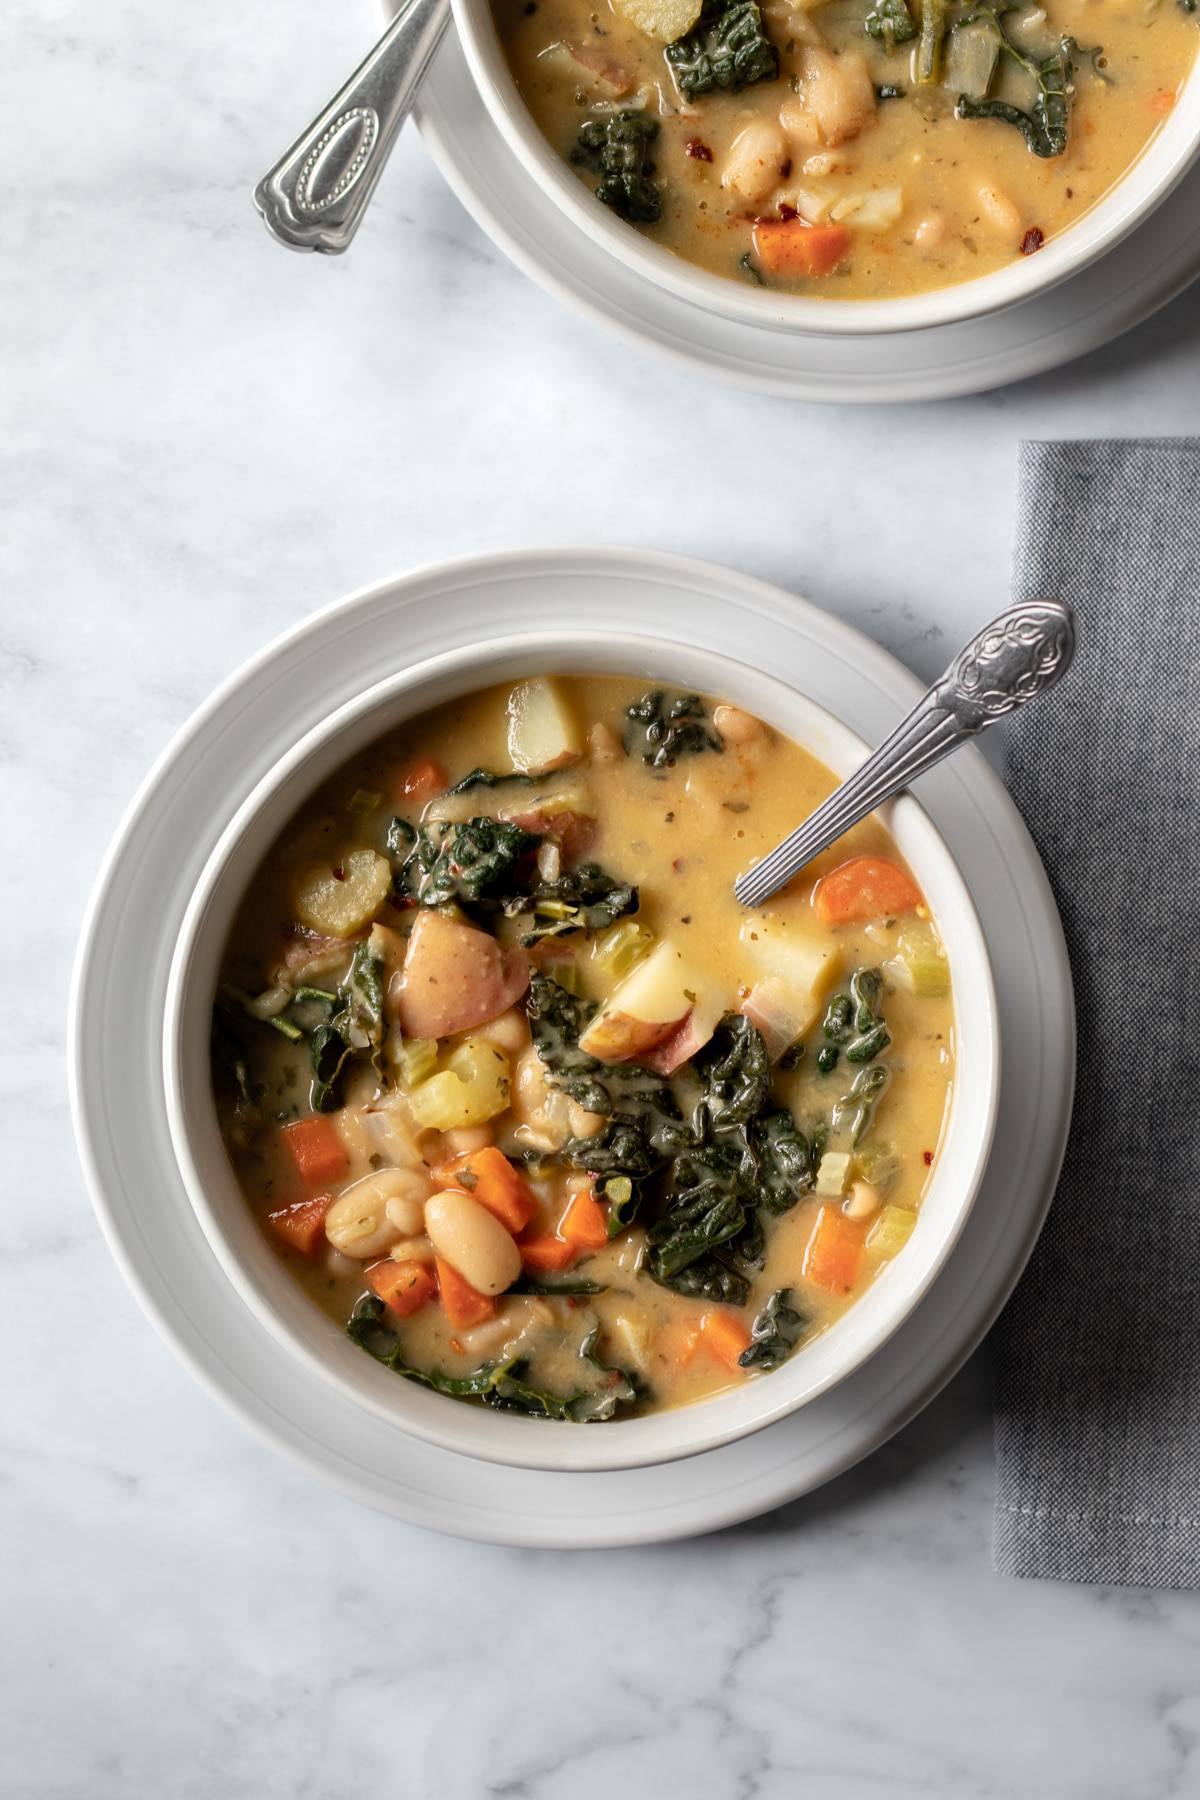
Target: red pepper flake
x=1033 y=240
x=677 y=865
x=339 y=874
x=786 y=211
x=785 y=169
x=699 y=149
x=928 y=1155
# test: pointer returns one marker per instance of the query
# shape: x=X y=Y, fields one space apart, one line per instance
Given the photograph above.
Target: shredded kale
x=1045 y=126
x=665 y=727
x=355 y=1026
x=736 y=1072
x=891 y=21
x=617 y=146
x=774 y=1333
x=584 y=899
x=728 y=48
x=490 y=778
x=786 y=1163
x=476 y=862
x=557 y=1020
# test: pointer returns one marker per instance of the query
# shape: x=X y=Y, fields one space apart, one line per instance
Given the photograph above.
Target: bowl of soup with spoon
x=504 y=1113
x=917 y=160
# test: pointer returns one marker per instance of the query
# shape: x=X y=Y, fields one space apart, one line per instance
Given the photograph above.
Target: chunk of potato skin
x=756 y=160
x=839 y=91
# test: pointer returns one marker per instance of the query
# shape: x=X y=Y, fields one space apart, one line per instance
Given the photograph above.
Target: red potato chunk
x=683 y=1043
x=603 y=67
x=575 y=831
x=619 y=1037
x=455 y=978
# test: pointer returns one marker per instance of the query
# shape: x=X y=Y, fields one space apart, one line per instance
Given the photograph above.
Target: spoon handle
x=1015 y=658
x=315 y=196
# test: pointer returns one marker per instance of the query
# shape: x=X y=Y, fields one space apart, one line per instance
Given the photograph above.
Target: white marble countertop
x=206 y=439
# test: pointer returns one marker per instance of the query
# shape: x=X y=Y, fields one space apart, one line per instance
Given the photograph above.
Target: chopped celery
x=472 y=1090
x=891 y=1230
x=877 y=1164
x=833 y=1173
x=363 y=803
x=566 y=974
x=621 y=948
x=417 y=1060
x=922 y=964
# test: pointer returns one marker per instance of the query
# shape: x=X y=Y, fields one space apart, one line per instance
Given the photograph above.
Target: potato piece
x=543 y=733
x=663 y=20
x=339 y=899
x=798 y=966
x=455 y=978
x=662 y=995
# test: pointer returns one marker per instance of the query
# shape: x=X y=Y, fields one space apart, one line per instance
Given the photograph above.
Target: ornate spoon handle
x=1015 y=658
x=315 y=197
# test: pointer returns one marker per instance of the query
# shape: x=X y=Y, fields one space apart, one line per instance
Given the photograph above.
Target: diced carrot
x=790 y=248
x=404 y=1287
x=302 y=1224
x=866 y=887
x=464 y=1304
x=545 y=1254
x=724 y=1335
x=585 y=1222
x=422 y=780
x=316 y=1149
x=833 y=1252
x=489 y=1177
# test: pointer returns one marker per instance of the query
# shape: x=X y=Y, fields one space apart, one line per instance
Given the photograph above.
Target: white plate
x=117 y=1021
x=1143 y=273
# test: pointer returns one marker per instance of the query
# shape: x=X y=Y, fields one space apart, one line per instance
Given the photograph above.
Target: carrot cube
x=544 y=1254
x=422 y=780
x=316 y=1149
x=834 y=1251
x=404 y=1287
x=464 y=1304
x=489 y=1177
x=301 y=1226
x=585 y=1222
x=793 y=249
x=724 y=1336
x=866 y=887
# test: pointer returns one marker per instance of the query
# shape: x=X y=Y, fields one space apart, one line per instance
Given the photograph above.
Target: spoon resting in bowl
x=1018 y=656
x=315 y=196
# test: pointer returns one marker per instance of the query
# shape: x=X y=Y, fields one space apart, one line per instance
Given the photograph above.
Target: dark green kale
x=705 y=1208
x=584 y=899
x=728 y=48
x=888 y=90
x=354 y=1026
x=891 y=21
x=665 y=727
x=572 y=1285
x=557 y=1020
x=774 y=1333
x=853 y=1024
x=617 y=146
x=480 y=861
x=855 y=1110
x=489 y=778
x=498 y=1384
x=736 y=1072
x=786 y=1163
x=1045 y=125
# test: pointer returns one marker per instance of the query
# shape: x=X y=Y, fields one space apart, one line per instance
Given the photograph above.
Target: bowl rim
x=259 y=1276
x=1159 y=167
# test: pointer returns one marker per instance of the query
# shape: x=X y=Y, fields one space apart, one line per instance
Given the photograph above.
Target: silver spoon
x=315 y=196
x=1015 y=658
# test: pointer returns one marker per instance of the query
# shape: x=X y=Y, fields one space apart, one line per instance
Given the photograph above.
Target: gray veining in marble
x=206 y=438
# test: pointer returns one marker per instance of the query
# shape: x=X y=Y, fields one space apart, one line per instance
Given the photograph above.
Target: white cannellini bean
x=998 y=208
x=604 y=743
x=413 y=1249
x=736 y=726
x=930 y=231
x=472 y=1241
x=509 y=1032
x=359 y=1221
x=462 y=1140
x=861 y=1201
x=755 y=161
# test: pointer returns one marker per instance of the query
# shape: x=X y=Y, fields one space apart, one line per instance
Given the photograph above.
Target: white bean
x=755 y=162
x=510 y=1031
x=472 y=1241
x=736 y=726
x=930 y=231
x=413 y=1249
x=861 y=1201
x=604 y=743
x=461 y=1140
x=999 y=208
x=359 y=1223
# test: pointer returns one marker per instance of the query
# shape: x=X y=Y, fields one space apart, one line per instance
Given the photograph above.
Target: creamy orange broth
x=906 y=196
x=680 y=834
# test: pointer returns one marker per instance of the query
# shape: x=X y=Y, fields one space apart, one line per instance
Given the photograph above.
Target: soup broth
x=859 y=149
x=523 y=1096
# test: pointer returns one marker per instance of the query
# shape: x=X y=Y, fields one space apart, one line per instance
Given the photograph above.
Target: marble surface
x=206 y=438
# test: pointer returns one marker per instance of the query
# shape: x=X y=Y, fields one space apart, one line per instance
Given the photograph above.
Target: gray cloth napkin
x=1098 y=1381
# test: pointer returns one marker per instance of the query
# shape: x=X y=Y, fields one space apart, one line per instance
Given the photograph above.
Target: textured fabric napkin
x=1098 y=1384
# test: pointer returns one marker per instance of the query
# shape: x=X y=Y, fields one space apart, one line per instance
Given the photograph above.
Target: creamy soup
x=529 y=1103
x=857 y=149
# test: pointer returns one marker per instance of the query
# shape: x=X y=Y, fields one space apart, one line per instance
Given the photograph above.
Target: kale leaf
x=728 y=48
x=774 y=1333
x=706 y=1208
x=356 y=1025
x=490 y=778
x=891 y=21
x=786 y=1163
x=583 y=899
x=1045 y=126
x=617 y=146
x=557 y=1020
x=736 y=1072
x=665 y=728
x=477 y=861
